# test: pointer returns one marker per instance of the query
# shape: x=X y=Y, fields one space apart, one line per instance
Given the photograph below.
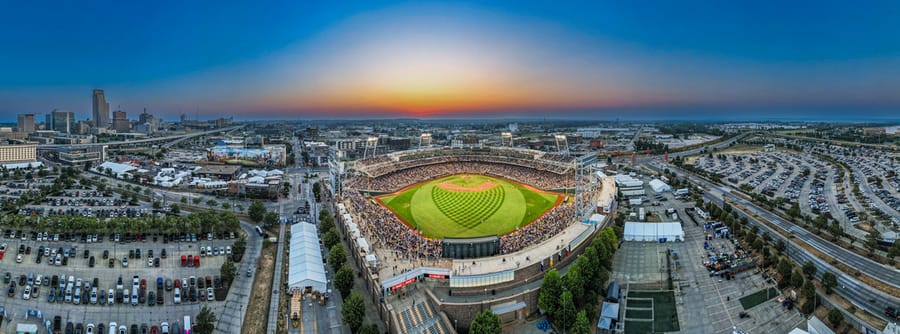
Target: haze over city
x=377 y=59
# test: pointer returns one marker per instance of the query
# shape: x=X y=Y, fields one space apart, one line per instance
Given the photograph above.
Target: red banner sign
x=404 y=283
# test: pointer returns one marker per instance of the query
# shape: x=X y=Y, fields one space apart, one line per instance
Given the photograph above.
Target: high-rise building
x=62 y=121
x=26 y=123
x=120 y=122
x=100 y=114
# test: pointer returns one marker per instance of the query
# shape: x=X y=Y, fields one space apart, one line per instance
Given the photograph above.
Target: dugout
x=470 y=248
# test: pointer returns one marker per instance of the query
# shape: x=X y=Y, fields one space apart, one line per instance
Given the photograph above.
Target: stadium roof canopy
x=306 y=267
x=117 y=168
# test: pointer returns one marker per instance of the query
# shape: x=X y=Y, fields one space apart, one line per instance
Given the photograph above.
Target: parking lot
x=705 y=303
x=817 y=187
x=92 y=305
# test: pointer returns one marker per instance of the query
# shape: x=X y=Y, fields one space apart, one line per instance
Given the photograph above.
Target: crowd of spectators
x=538 y=231
x=386 y=230
x=380 y=169
x=402 y=178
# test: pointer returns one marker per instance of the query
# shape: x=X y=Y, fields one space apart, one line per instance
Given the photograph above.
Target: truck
x=681 y=192
x=187 y=324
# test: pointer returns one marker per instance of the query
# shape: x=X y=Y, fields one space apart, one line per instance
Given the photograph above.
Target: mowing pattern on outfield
x=466 y=206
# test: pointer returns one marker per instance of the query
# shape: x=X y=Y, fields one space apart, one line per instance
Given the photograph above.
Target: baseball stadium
x=454 y=228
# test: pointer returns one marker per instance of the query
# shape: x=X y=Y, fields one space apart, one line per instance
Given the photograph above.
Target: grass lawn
x=759 y=297
x=468 y=206
x=665 y=316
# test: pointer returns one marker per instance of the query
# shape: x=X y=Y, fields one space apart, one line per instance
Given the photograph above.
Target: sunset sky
x=357 y=59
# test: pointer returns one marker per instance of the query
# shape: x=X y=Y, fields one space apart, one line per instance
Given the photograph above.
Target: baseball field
x=466 y=205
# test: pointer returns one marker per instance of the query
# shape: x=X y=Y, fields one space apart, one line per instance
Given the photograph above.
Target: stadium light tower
x=371 y=144
x=506 y=139
x=562 y=144
x=424 y=140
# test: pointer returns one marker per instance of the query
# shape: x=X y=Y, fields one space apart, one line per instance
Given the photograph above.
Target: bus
x=259 y=230
x=187 y=324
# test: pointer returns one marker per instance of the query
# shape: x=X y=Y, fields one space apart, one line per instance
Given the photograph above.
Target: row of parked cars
x=77 y=291
x=114 y=328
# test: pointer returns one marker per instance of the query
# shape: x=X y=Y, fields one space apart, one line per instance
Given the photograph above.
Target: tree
x=228 y=271
x=157 y=205
x=784 y=269
x=330 y=238
x=486 y=322
x=809 y=269
x=211 y=203
x=226 y=206
x=566 y=316
x=205 y=322
x=551 y=289
x=257 y=211
x=197 y=200
x=271 y=218
x=835 y=317
x=238 y=249
x=582 y=324
x=797 y=279
x=174 y=209
x=317 y=191
x=368 y=329
x=183 y=200
x=353 y=311
x=343 y=280
x=828 y=281
x=337 y=256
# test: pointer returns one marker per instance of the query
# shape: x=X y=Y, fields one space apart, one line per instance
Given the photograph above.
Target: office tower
x=26 y=123
x=100 y=114
x=62 y=121
x=120 y=122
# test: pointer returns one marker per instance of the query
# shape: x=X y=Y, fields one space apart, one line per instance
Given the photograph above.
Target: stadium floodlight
x=371 y=144
x=424 y=139
x=562 y=144
x=506 y=138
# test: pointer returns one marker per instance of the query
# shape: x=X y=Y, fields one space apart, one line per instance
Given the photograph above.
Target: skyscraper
x=100 y=114
x=62 y=121
x=120 y=122
x=26 y=123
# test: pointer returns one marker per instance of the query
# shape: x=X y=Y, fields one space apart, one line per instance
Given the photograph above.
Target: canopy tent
x=654 y=232
x=659 y=186
x=306 y=266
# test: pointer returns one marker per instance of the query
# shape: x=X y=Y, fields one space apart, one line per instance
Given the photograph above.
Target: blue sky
x=592 y=59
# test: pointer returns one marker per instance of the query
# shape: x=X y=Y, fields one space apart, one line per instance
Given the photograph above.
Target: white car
x=210 y=296
x=164 y=327
x=27 y=294
x=94 y=295
x=123 y=329
x=89 y=329
x=228 y=250
x=134 y=298
x=176 y=296
x=19 y=258
x=126 y=296
x=111 y=300
x=112 y=327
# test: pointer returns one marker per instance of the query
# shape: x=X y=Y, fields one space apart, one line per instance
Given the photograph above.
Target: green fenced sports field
x=465 y=205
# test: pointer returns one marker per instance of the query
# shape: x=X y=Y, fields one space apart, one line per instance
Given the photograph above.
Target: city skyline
x=591 y=60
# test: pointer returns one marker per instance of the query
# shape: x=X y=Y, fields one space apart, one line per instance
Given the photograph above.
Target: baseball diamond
x=468 y=205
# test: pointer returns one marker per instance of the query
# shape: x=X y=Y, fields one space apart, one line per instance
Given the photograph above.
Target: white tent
x=363 y=245
x=653 y=232
x=306 y=266
x=659 y=186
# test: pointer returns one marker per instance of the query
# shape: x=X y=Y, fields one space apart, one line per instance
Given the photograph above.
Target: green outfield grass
x=456 y=213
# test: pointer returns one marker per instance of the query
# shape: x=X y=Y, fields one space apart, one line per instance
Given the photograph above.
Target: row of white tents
x=653 y=232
